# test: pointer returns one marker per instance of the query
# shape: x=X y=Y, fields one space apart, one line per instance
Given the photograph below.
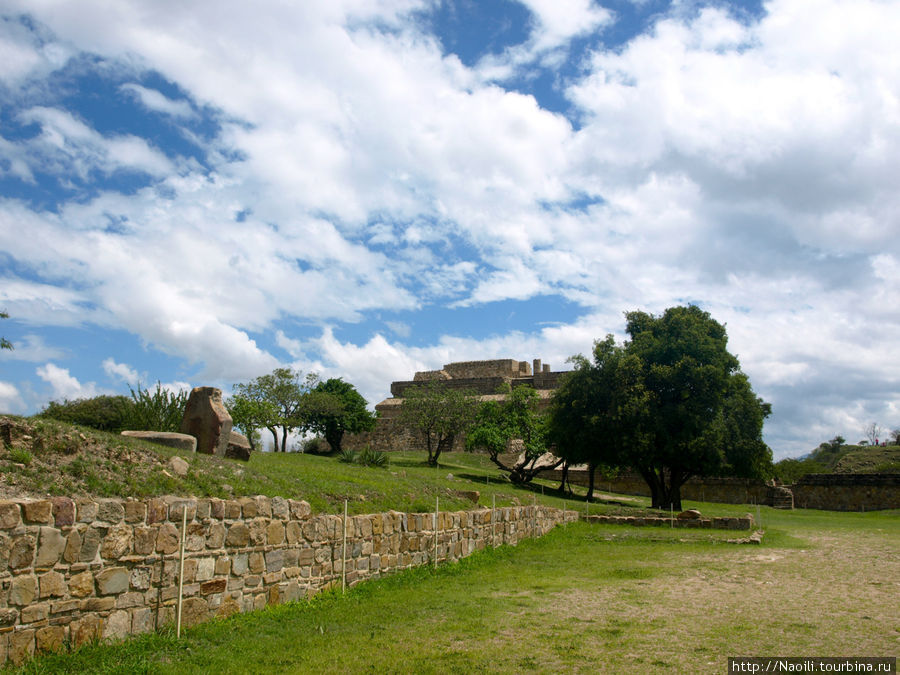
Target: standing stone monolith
x=207 y=420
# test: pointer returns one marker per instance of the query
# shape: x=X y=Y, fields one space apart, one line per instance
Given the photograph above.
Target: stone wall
x=75 y=570
x=848 y=492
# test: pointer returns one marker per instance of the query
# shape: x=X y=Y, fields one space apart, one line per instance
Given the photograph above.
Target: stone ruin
x=485 y=378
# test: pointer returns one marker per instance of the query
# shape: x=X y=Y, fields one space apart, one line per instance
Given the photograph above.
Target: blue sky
x=199 y=192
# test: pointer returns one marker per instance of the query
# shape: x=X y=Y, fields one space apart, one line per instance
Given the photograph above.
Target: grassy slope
x=606 y=599
x=869 y=460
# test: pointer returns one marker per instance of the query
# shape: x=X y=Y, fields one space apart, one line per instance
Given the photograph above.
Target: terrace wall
x=76 y=570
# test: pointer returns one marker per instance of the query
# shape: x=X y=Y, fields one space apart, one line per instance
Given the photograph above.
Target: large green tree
x=436 y=414
x=333 y=408
x=597 y=413
x=513 y=432
x=273 y=401
x=701 y=415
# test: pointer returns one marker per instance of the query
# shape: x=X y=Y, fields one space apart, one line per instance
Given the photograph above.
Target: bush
x=160 y=410
x=316 y=446
x=106 y=413
x=347 y=456
x=370 y=457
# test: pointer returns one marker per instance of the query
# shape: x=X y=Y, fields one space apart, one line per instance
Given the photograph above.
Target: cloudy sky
x=199 y=192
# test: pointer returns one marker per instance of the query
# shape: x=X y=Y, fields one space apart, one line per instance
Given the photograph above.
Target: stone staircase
x=781 y=497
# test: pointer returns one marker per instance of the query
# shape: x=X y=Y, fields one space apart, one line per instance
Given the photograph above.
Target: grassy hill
x=46 y=457
x=870 y=459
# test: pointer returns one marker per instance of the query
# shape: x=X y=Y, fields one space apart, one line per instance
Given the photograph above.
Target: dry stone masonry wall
x=76 y=570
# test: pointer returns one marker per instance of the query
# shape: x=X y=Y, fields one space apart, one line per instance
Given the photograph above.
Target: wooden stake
x=344 y=554
x=181 y=568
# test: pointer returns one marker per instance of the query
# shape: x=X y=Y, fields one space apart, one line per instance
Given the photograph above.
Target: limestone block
x=275 y=533
x=117 y=542
x=52 y=584
x=258 y=531
x=257 y=562
x=63 y=511
x=194 y=610
x=81 y=585
x=240 y=564
x=140 y=578
x=230 y=605
x=190 y=570
x=21 y=553
x=238 y=447
x=112 y=580
x=98 y=604
x=110 y=511
x=248 y=507
x=135 y=511
x=223 y=565
x=129 y=600
x=86 y=510
x=22 y=590
x=35 y=613
x=86 y=629
x=293 y=532
x=196 y=537
x=232 y=509
x=157 y=511
x=217 y=509
x=215 y=537
x=170 y=439
x=238 y=535
x=145 y=540
x=179 y=466
x=207 y=420
x=142 y=620
x=10 y=515
x=275 y=560
x=49 y=639
x=690 y=514
x=206 y=567
x=213 y=586
x=178 y=506
x=38 y=512
x=300 y=510
x=280 y=508
x=167 y=539
x=8 y=617
x=21 y=646
x=263 y=506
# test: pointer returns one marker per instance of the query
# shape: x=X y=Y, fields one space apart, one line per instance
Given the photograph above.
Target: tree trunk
x=445 y=443
x=565 y=476
x=664 y=494
x=590 y=492
x=274 y=431
x=334 y=438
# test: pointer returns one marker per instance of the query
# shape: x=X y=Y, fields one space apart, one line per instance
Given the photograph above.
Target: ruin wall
x=848 y=491
x=76 y=570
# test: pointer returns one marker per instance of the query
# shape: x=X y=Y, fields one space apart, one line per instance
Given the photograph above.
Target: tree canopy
x=272 y=401
x=334 y=407
x=513 y=432
x=436 y=414
x=671 y=404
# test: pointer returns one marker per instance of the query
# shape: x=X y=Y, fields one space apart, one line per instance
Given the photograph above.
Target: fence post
x=344 y=554
x=437 y=510
x=181 y=568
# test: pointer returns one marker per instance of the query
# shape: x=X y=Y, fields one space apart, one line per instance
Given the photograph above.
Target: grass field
x=585 y=598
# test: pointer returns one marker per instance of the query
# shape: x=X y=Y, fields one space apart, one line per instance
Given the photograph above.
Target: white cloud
x=121 y=371
x=10 y=399
x=158 y=102
x=31 y=347
x=63 y=385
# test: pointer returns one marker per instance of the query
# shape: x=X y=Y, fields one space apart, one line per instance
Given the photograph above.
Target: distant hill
x=833 y=458
x=870 y=459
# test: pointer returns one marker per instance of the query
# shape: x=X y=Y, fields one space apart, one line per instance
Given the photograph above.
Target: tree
x=4 y=343
x=514 y=434
x=702 y=417
x=597 y=412
x=873 y=433
x=274 y=401
x=334 y=407
x=107 y=413
x=436 y=414
x=895 y=437
x=159 y=410
x=250 y=412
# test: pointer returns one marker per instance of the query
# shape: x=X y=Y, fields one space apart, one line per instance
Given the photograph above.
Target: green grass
x=585 y=598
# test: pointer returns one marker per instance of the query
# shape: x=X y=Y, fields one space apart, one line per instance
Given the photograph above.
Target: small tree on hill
x=436 y=415
x=514 y=435
x=274 y=401
x=334 y=407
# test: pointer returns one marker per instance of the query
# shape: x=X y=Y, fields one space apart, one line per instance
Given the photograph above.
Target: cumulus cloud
x=120 y=371
x=64 y=385
x=157 y=101
x=10 y=399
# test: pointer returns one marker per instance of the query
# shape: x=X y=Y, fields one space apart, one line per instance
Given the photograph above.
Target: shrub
x=347 y=456
x=20 y=456
x=316 y=446
x=106 y=413
x=370 y=457
x=160 y=410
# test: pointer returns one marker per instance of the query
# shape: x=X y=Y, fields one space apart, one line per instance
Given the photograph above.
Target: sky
x=197 y=193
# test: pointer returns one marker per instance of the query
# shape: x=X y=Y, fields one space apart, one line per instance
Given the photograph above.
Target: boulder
x=238 y=447
x=690 y=514
x=170 y=439
x=179 y=466
x=207 y=420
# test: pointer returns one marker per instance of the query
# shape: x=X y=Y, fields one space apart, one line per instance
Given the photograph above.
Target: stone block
x=300 y=510
x=240 y=563
x=140 y=578
x=238 y=447
x=238 y=535
x=117 y=542
x=86 y=629
x=112 y=581
x=110 y=511
x=98 y=604
x=293 y=532
x=64 y=606
x=193 y=611
x=157 y=511
x=85 y=510
x=170 y=439
x=38 y=512
x=196 y=537
x=63 y=511
x=145 y=540
x=263 y=506
x=8 y=617
x=129 y=600
x=52 y=584
x=22 y=590
x=35 y=613
x=223 y=565
x=21 y=646
x=207 y=420
x=275 y=533
x=135 y=512
x=90 y=544
x=10 y=515
x=206 y=568
x=217 y=509
x=213 y=586
x=275 y=560
x=49 y=639
x=167 y=539
x=142 y=620
x=280 y=508
x=249 y=508
x=257 y=562
x=72 y=551
x=81 y=585
x=232 y=509
x=215 y=537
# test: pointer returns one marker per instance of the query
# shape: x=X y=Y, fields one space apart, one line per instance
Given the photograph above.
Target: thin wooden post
x=181 y=568
x=437 y=509
x=344 y=554
x=493 y=526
